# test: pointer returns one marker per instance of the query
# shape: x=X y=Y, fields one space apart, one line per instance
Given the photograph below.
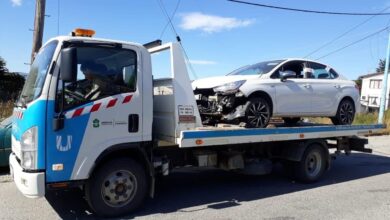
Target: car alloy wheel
x=258 y=113
x=347 y=113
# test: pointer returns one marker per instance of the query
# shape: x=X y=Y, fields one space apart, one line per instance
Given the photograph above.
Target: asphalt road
x=356 y=187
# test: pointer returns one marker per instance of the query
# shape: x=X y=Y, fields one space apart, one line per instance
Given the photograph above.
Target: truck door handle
x=307 y=85
x=337 y=86
x=133 y=123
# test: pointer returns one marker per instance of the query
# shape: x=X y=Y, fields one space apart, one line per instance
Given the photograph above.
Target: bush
x=10 y=86
x=6 y=109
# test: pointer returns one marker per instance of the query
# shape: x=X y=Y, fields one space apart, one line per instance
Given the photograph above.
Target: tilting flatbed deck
x=223 y=136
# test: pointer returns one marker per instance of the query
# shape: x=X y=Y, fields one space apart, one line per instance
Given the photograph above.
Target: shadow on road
x=186 y=190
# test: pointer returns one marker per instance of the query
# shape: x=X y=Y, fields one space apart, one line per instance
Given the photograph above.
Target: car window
x=320 y=71
x=296 y=67
x=6 y=122
x=256 y=69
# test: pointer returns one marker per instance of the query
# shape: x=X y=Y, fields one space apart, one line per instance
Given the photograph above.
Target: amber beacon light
x=79 y=32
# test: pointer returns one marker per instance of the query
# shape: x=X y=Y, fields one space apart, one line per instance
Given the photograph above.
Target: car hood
x=212 y=82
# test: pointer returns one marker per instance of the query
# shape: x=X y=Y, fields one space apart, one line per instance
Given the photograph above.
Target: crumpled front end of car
x=221 y=104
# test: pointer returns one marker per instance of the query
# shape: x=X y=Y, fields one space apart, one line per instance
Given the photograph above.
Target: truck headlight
x=28 y=146
x=229 y=87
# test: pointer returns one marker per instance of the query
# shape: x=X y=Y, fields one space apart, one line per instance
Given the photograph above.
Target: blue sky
x=219 y=36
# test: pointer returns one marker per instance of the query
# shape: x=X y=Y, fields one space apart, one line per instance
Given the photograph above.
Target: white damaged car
x=289 y=88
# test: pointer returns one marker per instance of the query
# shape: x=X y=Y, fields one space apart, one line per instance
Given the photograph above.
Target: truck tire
x=257 y=113
x=117 y=187
x=312 y=165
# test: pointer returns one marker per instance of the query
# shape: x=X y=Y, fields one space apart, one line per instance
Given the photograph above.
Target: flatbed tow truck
x=114 y=147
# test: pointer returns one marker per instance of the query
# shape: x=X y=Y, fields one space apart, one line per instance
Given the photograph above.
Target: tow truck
x=114 y=147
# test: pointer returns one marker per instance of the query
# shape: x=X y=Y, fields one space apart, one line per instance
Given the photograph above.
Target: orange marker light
x=199 y=142
x=301 y=135
x=79 y=32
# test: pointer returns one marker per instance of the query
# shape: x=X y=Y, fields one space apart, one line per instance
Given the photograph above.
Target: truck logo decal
x=107 y=103
x=65 y=147
x=95 y=123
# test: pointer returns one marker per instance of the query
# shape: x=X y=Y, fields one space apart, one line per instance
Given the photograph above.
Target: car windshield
x=36 y=78
x=6 y=122
x=256 y=69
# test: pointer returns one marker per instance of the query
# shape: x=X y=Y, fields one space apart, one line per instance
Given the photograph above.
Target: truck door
x=102 y=108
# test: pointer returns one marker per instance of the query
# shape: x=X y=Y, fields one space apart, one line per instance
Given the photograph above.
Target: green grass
x=360 y=119
x=372 y=118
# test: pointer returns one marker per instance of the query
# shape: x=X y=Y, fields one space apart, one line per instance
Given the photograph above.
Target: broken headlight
x=229 y=88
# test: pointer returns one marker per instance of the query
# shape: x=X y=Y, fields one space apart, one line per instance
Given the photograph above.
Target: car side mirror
x=68 y=66
x=285 y=75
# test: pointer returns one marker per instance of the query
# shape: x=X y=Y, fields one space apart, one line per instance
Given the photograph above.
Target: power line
x=172 y=16
x=343 y=34
x=162 y=7
x=355 y=42
x=306 y=10
x=58 y=17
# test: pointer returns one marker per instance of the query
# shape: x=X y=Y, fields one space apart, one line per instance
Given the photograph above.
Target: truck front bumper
x=31 y=185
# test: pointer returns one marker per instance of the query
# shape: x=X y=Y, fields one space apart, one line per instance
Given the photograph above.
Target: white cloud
x=211 y=23
x=16 y=2
x=202 y=62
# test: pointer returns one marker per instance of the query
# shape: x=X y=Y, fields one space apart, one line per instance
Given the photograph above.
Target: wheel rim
x=258 y=114
x=119 y=188
x=346 y=113
x=313 y=164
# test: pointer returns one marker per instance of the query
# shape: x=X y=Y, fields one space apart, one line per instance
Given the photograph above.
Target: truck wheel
x=345 y=113
x=291 y=121
x=257 y=113
x=312 y=165
x=117 y=187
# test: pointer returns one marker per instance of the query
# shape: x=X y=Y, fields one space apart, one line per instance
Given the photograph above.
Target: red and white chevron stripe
x=105 y=104
x=18 y=114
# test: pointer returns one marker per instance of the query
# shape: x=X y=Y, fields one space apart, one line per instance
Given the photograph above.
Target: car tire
x=117 y=187
x=257 y=113
x=345 y=113
x=312 y=165
x=291 y=121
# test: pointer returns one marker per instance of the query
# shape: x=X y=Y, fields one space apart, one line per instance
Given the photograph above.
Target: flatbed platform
x=227 y=136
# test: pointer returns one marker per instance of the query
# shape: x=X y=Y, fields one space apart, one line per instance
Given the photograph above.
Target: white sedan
x=289 y=88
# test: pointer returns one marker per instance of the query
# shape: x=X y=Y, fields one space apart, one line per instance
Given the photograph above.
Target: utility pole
x=382 y=106
x=39 y=22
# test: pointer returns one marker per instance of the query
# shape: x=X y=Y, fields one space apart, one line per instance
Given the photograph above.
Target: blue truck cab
x=56 y=117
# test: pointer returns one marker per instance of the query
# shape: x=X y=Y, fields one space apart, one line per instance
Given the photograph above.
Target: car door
x=326 y=90
x=293 y=95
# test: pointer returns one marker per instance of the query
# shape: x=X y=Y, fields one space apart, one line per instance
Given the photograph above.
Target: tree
x=359 y=83
x=3 y=69
x=10 y=83
x=381 y=66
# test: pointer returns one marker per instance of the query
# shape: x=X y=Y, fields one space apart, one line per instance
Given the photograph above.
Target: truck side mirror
x=58 y=122
x=68 y=66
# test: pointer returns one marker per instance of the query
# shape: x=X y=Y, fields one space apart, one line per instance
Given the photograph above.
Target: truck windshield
x=256 y=69
x=36 y=78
